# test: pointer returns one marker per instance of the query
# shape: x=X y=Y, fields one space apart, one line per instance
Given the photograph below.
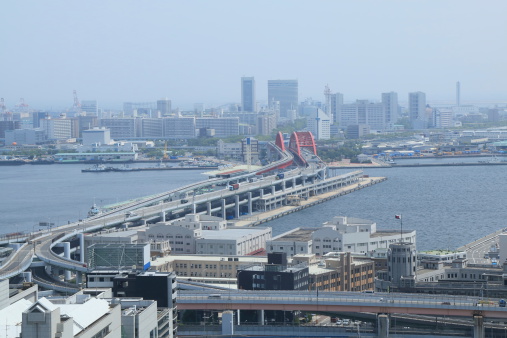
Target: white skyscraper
x=336 y=103
x=390 y=103
x=285 y=92
x=319 y=125
x=362 y=112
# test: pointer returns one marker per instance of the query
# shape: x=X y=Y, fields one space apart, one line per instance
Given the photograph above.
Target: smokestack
x=457 y=94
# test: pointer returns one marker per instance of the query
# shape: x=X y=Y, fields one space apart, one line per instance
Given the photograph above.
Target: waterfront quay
x=300 y=204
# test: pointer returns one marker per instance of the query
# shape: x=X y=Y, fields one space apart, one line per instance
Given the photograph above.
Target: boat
x=94 y=211
x=125 y=167
x=97 y=168
x=12 y=162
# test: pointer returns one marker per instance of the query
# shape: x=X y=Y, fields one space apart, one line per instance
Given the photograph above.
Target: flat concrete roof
x=298 y=235
x=231 y=233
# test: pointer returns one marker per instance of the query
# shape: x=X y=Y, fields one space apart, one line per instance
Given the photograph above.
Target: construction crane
x=77 y=105
x=165 y=151
x=22 y=106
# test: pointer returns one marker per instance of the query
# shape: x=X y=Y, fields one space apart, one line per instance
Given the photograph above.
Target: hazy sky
x=196 y=51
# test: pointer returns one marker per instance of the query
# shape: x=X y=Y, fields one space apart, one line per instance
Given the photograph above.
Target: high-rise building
x=8 y=125
x=164 y=106
x=319 y=125
x=89 y=107
x=362 y=112
x=179 y=127
x=248 y=94
x=86 y=122
x=223 y=127
x=390 y=103
x=417 y=110
x=336 y=101
x=152 y=127
x=285 y=92
x=121 y=128
x=37 y=116
x=57 y=129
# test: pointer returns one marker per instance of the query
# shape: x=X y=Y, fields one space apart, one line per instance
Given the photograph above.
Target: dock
x=263 y=217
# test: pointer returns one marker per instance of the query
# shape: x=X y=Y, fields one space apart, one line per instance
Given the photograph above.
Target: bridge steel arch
x=298 y=141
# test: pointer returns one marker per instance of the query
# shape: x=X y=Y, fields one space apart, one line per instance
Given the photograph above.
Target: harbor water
x=448 y=206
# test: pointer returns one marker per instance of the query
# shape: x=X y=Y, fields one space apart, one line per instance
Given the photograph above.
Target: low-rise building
x=345 y=234
x=207 y=235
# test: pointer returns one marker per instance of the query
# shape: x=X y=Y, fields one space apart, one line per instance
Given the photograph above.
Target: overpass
x=383 y=304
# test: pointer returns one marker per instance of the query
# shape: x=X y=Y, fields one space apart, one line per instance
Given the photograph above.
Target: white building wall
x=4 y=293
x=502 y=243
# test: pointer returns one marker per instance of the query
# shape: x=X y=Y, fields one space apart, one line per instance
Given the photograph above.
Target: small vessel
x=125 y=167
x=12 y=161
x=94 y=211
x=97 y=168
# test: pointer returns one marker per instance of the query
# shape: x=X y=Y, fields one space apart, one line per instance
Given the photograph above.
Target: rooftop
x=298 y=234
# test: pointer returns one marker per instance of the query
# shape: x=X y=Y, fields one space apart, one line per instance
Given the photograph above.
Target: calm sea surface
x=448 y=206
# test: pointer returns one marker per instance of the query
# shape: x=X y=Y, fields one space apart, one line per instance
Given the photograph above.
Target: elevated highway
x=168 y=205
x=381 y=303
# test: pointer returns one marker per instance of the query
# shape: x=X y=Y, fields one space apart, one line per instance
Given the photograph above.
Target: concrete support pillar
x=250 y=211
x=283 y=185
x=27 y=275
x=293 y=183
x=227 y=323
x=79 y=277
x=239 y=317
x=479 y=327
x=208 y=206
x=224 y=216
x=236 y=206
x=162 y=216
x=261 y=317
x=66 y=254
x=81 y=248
x=194 y=208
x=273 y=190
x=261 y=193
x=382 y=326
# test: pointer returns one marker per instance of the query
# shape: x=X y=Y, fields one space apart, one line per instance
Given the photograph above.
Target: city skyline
x=113 y=52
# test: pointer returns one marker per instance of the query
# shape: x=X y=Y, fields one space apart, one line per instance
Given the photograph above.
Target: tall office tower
x=248 y=94
x=57 y=129
x=164 y=106
x=121 y=128
x=336 y=104
x=458 y=93
x=285 y=92
x=362 y=112
x=37 y=116
x=319 y=125
x=89 y=107
x=417 y=110
x=390 y=103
